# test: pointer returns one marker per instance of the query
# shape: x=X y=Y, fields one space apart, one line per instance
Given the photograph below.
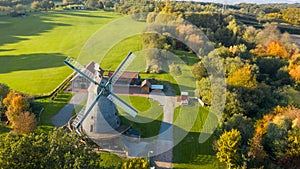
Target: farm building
x=80 y=83
x=184 y=98
x=145 y=86
x=132 y=78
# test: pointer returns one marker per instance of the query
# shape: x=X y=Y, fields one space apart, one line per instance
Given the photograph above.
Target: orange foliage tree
x=25 y=122
x=294 y=68
x=17 y=113
x=278 y=117
x=276 y=49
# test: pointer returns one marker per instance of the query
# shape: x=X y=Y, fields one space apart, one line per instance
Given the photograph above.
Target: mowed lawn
x=33 y=48
x=148 y=119
x=189 y=153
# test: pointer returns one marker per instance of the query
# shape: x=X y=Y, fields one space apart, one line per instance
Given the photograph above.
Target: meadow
x=32 y=48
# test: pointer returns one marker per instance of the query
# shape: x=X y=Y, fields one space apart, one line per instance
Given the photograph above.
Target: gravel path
x=64 y=115
x=165 y=139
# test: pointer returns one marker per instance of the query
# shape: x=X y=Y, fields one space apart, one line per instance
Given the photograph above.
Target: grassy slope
x=32 y=49
x=189 y=153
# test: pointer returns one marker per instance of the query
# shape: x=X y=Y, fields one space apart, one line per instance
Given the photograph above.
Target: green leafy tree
x=4 y=90
x=54 y=150
x=228 y=148
x=199 y=70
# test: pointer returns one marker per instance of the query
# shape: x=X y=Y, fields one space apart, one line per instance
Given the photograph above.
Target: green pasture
x=51 y=108
x=189 y=153
x=32 y=48
x=149 y=118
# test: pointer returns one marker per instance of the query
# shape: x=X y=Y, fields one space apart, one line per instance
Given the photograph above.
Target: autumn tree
x=275 y=48
x=228 y=148
x=15 y=104
x=25 y=122
x=275 y=139
x=294 y=68
x=17 y=113
x=243 y=77
x=269 y=34
x=250 y=35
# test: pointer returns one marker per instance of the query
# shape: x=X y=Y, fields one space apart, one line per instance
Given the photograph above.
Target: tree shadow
x=13 y=30
x=30 y=61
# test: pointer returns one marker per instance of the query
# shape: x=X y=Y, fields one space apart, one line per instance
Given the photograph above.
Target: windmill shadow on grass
x=30 y=62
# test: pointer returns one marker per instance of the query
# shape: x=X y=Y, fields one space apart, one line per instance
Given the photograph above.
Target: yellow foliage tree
x=275 y=48
x=242 y=77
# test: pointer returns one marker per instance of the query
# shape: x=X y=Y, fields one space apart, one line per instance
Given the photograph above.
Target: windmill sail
x=122 y=67
x=79 y=116
x=122 y=104
x=82 y=115
x=72 y=63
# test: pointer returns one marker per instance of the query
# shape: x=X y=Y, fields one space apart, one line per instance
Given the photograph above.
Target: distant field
x=32 y=48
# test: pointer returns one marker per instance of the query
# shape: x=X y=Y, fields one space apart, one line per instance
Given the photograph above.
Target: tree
x=108 y=4
x=17 y=113
x=270 y=33
x=228 y=148
x=275 y=48
x=250 y=34
x=175 y=69
x=294 y=68
x=4 y=90
x=242 y=124
x=20 y=8
x=46 y=4
x=243 y=77
x=199 y=70
x=138 y=163
x=35 y=5
x=92 y=4
x=15 y=104
x=25 y=122
x=56 y=149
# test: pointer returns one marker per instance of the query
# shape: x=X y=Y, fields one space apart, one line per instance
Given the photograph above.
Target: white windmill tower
x=100 y=115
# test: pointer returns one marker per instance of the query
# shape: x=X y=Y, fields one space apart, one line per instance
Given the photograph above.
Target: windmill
x=102 y=118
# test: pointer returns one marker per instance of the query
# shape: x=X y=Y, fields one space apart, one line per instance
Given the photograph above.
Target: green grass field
x=32 y=49
x=189 y=153
x=51 y=108
x=149 y=118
